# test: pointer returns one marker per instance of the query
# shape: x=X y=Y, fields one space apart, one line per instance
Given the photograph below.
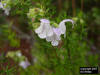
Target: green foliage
x=68 y=56
x=16 y=56
x=10 y=36
x=35 y=12
x=96 y=15
x=19 y=7
x=5 y=66
x=93 y=60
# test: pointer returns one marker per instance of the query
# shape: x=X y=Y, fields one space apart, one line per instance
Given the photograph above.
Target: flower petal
x=6 y=12
x=45 y=29
x=39 y=29
x=62 y=27
x=45 y=21
x=42 y=35
x=1 y=5
x=68 y=20
x=54 y=39
x=49 y=39
x=24 y=64
x=54 y=43
x=49 y=31
x=57 y=31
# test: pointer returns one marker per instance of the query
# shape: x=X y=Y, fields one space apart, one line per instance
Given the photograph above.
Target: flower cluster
x=44 y=30
x=24 y=64
x=52 y=34
x=18 y=57
x=5 y=7
x=35 y=13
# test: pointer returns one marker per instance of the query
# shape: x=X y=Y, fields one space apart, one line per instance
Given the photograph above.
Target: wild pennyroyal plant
x=52 y=33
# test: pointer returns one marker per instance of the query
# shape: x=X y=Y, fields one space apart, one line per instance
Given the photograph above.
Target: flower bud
x=54 y=24
x=35 y=25
x=35 y=12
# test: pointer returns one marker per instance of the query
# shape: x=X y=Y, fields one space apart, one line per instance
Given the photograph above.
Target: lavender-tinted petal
x=55 y=43
x=24 y=64
x=45 y=21
x=62 y=27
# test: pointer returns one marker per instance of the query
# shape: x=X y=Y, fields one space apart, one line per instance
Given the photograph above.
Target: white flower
x=24 y=64
x=19 y=54
x=50 y=33
x=62 y=25
x=55 y=38
x=6 y=9
x=1 y=5
x=44 y=30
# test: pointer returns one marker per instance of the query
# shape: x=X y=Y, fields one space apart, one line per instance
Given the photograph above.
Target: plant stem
x=60 y=5
x=74 y=7
x=82 y=5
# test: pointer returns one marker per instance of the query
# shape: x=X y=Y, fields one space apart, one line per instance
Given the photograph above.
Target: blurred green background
x=80 y=48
